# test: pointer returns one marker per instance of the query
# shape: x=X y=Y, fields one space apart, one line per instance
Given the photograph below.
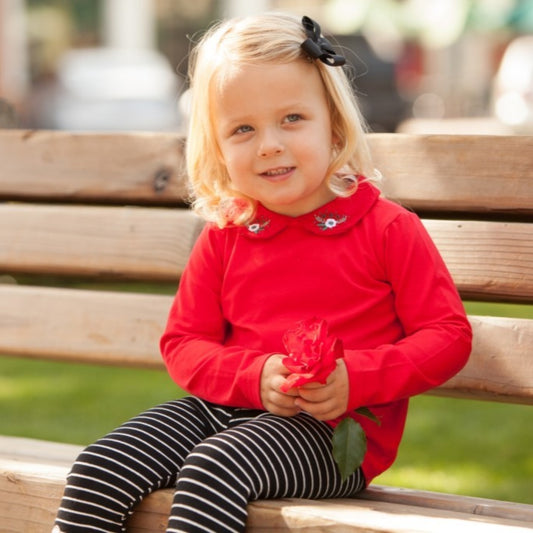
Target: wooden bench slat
x=494 y=371
x=431 y=172
x=120 y=242
x=31 y=513
x=154 y=244
x=124 y=329
x=87 y=326
x=450 y=502
x=31 y=487
x=67 y=166
x=488 y=260
x=443 y=172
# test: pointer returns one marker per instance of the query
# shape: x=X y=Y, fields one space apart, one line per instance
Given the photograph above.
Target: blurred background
x=450 y=66
x=428 y=66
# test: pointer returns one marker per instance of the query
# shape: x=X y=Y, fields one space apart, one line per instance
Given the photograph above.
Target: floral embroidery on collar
x=329 y=221
x=337 y=217
x=258 y=225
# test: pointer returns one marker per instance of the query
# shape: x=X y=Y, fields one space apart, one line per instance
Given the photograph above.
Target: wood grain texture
x=60 y=165
x=488 y=260
x=115 y=242
x=121 y=329
x=451 y=502
x=124 y=329
x=500 y=367
x=474 y=173
x=32 y=477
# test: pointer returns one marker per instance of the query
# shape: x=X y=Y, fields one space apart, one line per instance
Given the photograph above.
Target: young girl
x=279 y=167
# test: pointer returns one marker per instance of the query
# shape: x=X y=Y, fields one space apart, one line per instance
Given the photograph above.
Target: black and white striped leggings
x=218 y=458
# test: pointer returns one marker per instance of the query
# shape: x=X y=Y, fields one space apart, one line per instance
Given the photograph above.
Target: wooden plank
x=124 y=329
x=114 y=242
x=500 y=367
x=30 y=490
x=88 y=326
x=450 y=502
x=479 y=173
x=41 y=457
x=488 y=260
x=59 y=165
x=357 y=515
x=34 y=451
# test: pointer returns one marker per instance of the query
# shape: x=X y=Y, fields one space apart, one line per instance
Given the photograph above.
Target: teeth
x=276 y=172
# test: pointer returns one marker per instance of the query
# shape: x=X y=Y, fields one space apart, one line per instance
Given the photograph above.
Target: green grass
x=466 y=447
x=499 y=309
x=458 y=446
x=72 y=402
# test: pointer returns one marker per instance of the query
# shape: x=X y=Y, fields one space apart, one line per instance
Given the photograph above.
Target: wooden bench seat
x=111 y=207
x=38 y=469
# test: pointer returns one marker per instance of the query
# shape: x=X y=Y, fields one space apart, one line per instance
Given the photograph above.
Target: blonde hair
x=265 y=38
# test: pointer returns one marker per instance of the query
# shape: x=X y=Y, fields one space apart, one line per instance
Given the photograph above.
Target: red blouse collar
x=333 y=218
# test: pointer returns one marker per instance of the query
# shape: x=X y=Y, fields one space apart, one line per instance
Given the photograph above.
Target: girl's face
x=273 y=128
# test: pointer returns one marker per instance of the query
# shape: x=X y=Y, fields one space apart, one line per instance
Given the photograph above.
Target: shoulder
x=215 y=242
x=383 y=212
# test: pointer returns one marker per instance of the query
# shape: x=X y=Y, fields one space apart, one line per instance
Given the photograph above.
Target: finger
x=291 y=392
x=316 y=394
x=282 y=405
x=312 y=385
x=314 y=408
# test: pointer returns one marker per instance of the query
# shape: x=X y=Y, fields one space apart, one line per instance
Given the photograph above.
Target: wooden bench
x=111 y=207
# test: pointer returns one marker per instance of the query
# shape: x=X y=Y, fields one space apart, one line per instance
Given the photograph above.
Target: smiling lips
x=277 y=174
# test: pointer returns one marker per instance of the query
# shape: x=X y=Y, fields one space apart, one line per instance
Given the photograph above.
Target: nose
x=269 y=144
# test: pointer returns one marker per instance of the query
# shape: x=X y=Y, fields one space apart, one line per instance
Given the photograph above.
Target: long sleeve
x=194 y=345
x=437 y=335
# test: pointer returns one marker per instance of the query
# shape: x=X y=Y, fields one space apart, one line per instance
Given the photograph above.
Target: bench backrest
x=112 y=207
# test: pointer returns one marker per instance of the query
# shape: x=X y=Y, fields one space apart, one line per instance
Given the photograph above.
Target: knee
x=93 y=456
x=100 y=466
x=213 y=459
x=206 y=456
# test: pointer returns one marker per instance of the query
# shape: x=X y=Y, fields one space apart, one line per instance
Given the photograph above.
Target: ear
x=336 y=141
x=336 y=144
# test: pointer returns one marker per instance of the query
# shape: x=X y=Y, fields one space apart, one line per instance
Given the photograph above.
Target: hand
x=326 y=402
x=273 y=375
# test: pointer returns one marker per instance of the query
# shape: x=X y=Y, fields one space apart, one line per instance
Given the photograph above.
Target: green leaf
x=349 y=446
x=365 y=411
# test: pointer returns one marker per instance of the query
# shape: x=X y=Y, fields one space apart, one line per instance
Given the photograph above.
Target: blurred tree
x=85 y=14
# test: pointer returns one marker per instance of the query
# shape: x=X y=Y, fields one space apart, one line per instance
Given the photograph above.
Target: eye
x=242 y=129
x=293 y=117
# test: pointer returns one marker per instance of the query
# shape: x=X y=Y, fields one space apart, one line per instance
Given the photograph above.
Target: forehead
x=254 y=87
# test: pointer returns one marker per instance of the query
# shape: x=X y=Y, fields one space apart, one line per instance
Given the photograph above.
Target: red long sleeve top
x=365 y=265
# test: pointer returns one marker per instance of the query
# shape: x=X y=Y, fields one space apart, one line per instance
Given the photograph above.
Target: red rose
x=312 y=354
x=312 y=357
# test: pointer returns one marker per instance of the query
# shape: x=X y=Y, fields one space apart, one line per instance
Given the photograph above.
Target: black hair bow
x=319 y=47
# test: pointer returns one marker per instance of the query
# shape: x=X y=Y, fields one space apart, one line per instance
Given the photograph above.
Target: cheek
x=229 y=164
x=234 y=161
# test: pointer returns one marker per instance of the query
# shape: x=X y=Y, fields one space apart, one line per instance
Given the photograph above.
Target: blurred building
x=121 y=64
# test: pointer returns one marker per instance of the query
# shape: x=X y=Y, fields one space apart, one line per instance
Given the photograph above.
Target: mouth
x=278 y=173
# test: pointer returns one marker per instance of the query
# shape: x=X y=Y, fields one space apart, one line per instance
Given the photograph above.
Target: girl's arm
x=438 y=335
x=192 y=345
